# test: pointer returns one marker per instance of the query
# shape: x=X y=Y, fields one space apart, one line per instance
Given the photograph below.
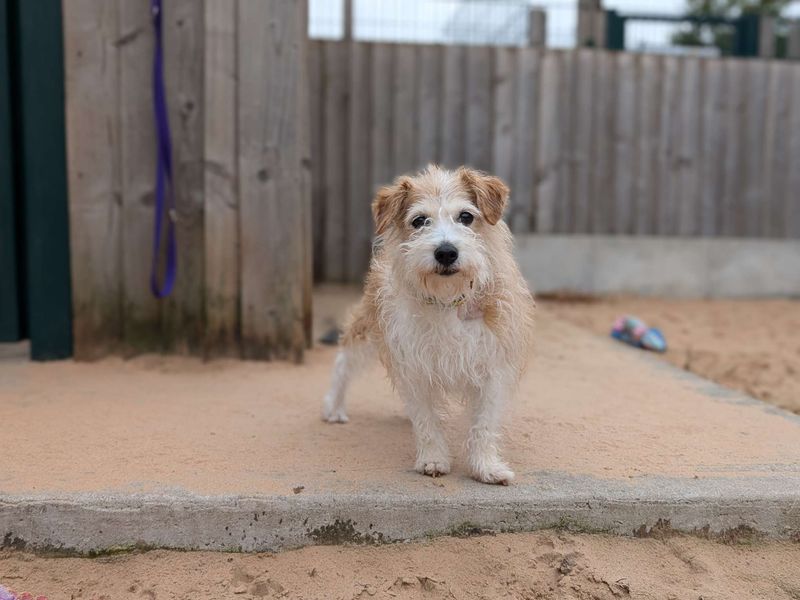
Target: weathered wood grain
x=453 y=124
x=359 y=216
x=382 y=131
x=91 y=31
x=183 y=312
x=548 y=179
x=429 y=104
x=273 y=197
x=504 y=114
x=713 y=147
x=141 y=312
x=753 y=144
x=645 y=194
x=478 y=151
x=603 y=154
x=734 y=150
x=522 y=211
x=669 y=146
x=405 y=118
x=221 y=202
x=335 y=111
x=688 y=160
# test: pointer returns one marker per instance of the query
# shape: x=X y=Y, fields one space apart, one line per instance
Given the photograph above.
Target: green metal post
x=615 y=30
x=10 y=325
x=41 y=152
x=747 y=34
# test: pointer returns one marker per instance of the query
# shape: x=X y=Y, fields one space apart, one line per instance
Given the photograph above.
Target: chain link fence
x=505 y=22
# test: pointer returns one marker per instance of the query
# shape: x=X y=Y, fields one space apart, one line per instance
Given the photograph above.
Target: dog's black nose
x=446 y=254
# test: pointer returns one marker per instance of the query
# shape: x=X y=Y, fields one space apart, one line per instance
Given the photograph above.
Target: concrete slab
x=173 y=452
x=661 y=266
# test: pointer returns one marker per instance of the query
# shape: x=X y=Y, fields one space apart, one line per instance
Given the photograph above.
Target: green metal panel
x=41 y=152
x=615 y=30
x=747 y=34
x=10 y=326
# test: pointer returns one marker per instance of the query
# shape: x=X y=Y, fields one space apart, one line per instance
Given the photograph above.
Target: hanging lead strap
x=165 y=200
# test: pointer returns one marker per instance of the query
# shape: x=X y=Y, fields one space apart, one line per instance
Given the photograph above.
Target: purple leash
x=165 y=200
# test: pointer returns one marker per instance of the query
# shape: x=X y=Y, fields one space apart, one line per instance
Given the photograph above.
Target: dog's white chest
x=437 y=344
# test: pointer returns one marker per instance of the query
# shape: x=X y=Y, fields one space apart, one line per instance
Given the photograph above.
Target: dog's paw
x=333 y=413
x=434 y=468
x=496 y=473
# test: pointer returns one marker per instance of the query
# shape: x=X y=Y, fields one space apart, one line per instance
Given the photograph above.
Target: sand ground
x=752 y=346
x=530 y=566
x=749 y=345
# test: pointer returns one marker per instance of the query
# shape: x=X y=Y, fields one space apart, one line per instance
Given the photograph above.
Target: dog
x=446 y=310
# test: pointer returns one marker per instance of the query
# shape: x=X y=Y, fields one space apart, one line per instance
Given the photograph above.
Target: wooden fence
x=238 y=94
x=589 y=141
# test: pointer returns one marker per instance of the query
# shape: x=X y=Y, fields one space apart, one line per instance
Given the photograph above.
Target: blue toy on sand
x=635 y=332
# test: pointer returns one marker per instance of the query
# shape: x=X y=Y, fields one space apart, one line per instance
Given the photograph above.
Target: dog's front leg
x=483 y=454
x=422 y=401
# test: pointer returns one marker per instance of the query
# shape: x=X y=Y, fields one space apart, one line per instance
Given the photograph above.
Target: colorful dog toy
x=635 y=332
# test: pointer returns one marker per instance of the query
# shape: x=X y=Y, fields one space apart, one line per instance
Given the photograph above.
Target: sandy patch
x=748 y=345
x=537 y=565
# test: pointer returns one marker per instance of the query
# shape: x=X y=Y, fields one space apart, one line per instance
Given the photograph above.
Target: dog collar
x=431 y=301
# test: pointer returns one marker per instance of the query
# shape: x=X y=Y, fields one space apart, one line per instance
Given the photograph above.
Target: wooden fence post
x=537 y=28
x=274 y=198
x=590 y=23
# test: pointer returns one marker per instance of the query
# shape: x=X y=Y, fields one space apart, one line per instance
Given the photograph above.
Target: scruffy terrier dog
x=446 y=310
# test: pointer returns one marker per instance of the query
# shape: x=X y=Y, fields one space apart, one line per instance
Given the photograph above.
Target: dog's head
x=441 y=229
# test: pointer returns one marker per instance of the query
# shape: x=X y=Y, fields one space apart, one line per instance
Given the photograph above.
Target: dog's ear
x=390 y=204
x=489 y=193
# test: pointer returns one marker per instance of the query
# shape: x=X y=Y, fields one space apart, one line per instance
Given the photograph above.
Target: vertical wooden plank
x=183 y=313
x=10 y=305
x=753 y=145
x=503 y=113
x=306 y=183
x=523 y=194
x=565 y=206
x=454 y=106
x=141 y=312
x=91 y=30
x=603 y=143
x=221 y=202
x=548 y=180
x=775 y=166
x=382 y=131
x=316 y=91
x=358 y=186
x=274 y=199
x=583 y=165
x=335 y=110
x=734 y=151
x=688 y=165
x=791 y=199
x=478 y=151
x=668 y=146
x=429 y=102
x=626 y=158
x=713 y=146
x=645 y=194
x=405 y=118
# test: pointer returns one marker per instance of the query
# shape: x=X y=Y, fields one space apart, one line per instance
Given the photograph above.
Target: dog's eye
x=419 y=221
x=466 y=218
